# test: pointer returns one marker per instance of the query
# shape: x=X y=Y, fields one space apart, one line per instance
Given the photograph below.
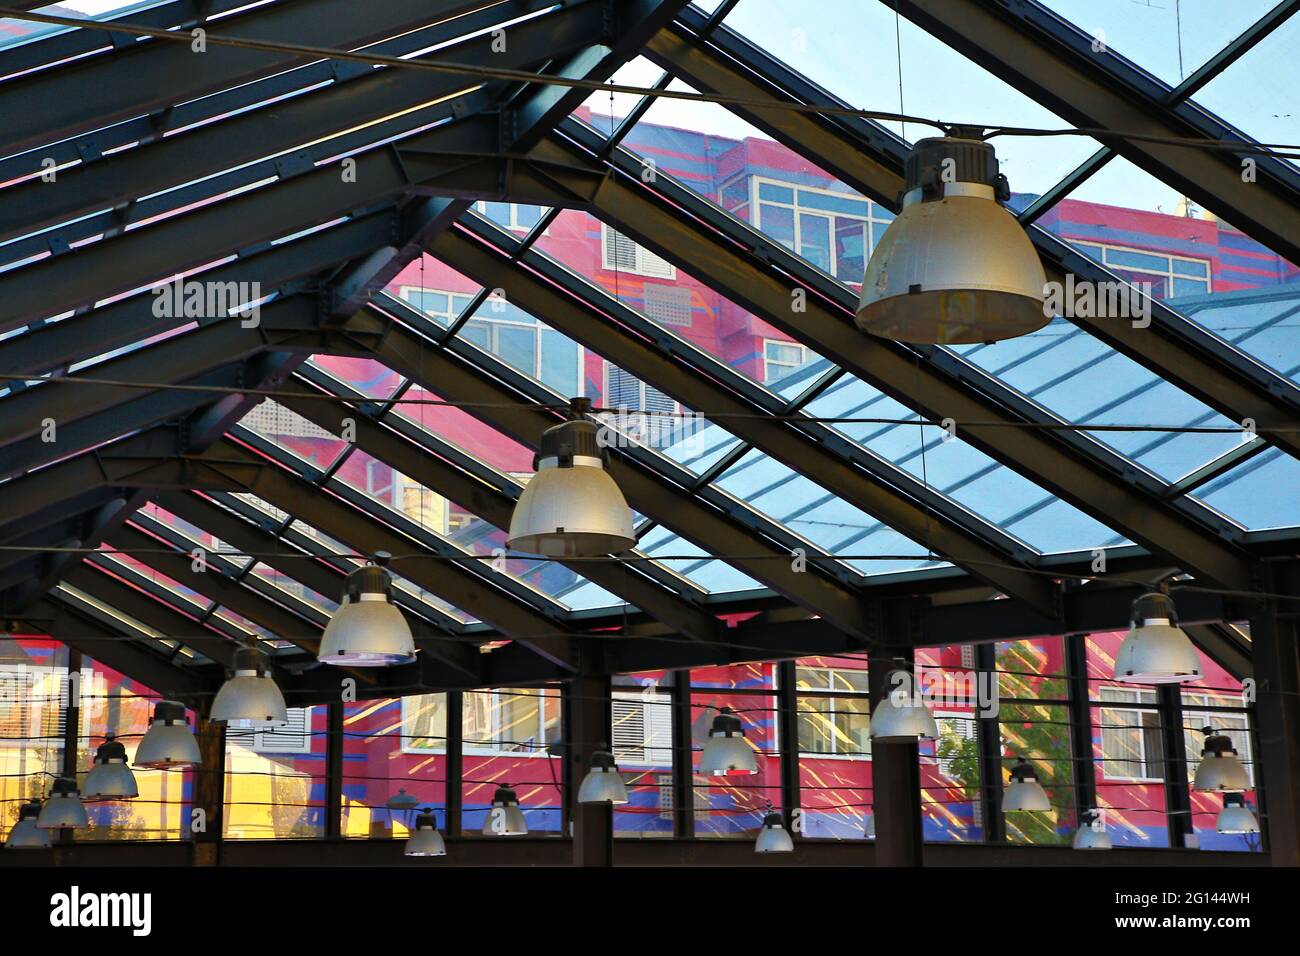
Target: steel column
x=590 y=730
x=895 y=771
x=1275 y=636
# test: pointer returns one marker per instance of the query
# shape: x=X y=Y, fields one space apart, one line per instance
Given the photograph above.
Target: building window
x=781 y=358
x=526 y=345
x=293 y=738
x=1235 y=725
x=835 y=231
x=1131 y=745
x=620 y=253
x=517 y=217
x=520 y=721
x=834 y=713
x=441 y=306
x=1170 y=276
x=661 y=424
x=643 y=729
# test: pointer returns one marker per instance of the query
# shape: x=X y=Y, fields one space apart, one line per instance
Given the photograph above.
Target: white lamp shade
x=954 y=266
x=773 y=837
x=168 y=743
x=110 y=778
x=1156 y=652
x=909 y=721
x=504 y=818
x=602 y=785
x=1235 y=817
x=368 y=632
x=25 y=834
x=571 y=512
x=1024 y=792
x=727 y=756
x=425 y=840
x=252 y=698
x=111 y=781
x=1220 y=773
x=1091 y=834
x=63 y=809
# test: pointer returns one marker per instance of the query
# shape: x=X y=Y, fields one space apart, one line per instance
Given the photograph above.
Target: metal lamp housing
x=908 y=721
x=1219 y=770
x=1024 y=792
x=571 y=507
x=727 y=753
x=63 y=809
x=954 y=266
x=425 y=840
x=250 y=695
x=504 y=817
x=603 y=783
x=25 y=834
x=110 y=778
x=368 y=629
x=774 y=837
x=1156 y=650
x=1235 y=817
x=168 y=743
x=1091 y=834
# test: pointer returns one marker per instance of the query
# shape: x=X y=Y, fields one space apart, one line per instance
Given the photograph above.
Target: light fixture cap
x=1091 y=834
x=109 y=777
x=425 y=840
x=505 y=818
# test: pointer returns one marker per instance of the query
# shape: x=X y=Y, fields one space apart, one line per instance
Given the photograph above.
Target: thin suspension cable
x=1283 y=150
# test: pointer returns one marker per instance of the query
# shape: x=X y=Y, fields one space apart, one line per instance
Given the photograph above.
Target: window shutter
x=293 y=738
x=629 y=730
x=658 y=721
x=620 y=251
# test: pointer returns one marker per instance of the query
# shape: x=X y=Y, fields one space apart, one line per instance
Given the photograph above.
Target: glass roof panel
x=435 y=288
x=307 y=443
x=1199 y=265
x=366 y=376
x=694 y=563
x=1169 y=40
x=1258 y=494
x=852 y=50
x=1258 y=94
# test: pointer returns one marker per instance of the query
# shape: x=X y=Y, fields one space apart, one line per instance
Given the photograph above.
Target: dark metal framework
x=234 y=176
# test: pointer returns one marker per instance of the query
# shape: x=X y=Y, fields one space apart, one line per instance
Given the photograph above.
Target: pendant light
x=168 y=743
x=908 y=721
x=1235 y=817
x=1156 y=651
x=1219 y=769
x=727 y=753
x=954 y=266
x=1025 y=792
x=26 y=835
x=250 y=695
x=773 y=837
x=110 y=778
x=603 y=783
x=402 y=801
x=505 y=818
x=571 y=507
x=368 y=629
x=63 y=809
x=1091 y=834
x=425 y=840
x=869 y=826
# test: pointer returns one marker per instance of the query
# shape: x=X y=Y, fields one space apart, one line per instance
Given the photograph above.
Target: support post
x=590 y=730
x=787 y=703
x=209 y=791
x=71 y=724
x=334 y=770
x=988 y=735
x=1178 y=798
x=895 y=768
x=1080 y=711
x=453 y=792
x=1274 y=631
x=683 y=757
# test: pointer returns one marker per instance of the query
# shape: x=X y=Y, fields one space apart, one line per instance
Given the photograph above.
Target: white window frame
x=769 y=364
x=407 y=294
x=1194 y=719
x=259 y=736
x=871 y=219
x=1169 y=274
x=514 y=225
x=830 y=693
x=1103 y=704
x=478 y=749
x=639 y=266
x=646 y=701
